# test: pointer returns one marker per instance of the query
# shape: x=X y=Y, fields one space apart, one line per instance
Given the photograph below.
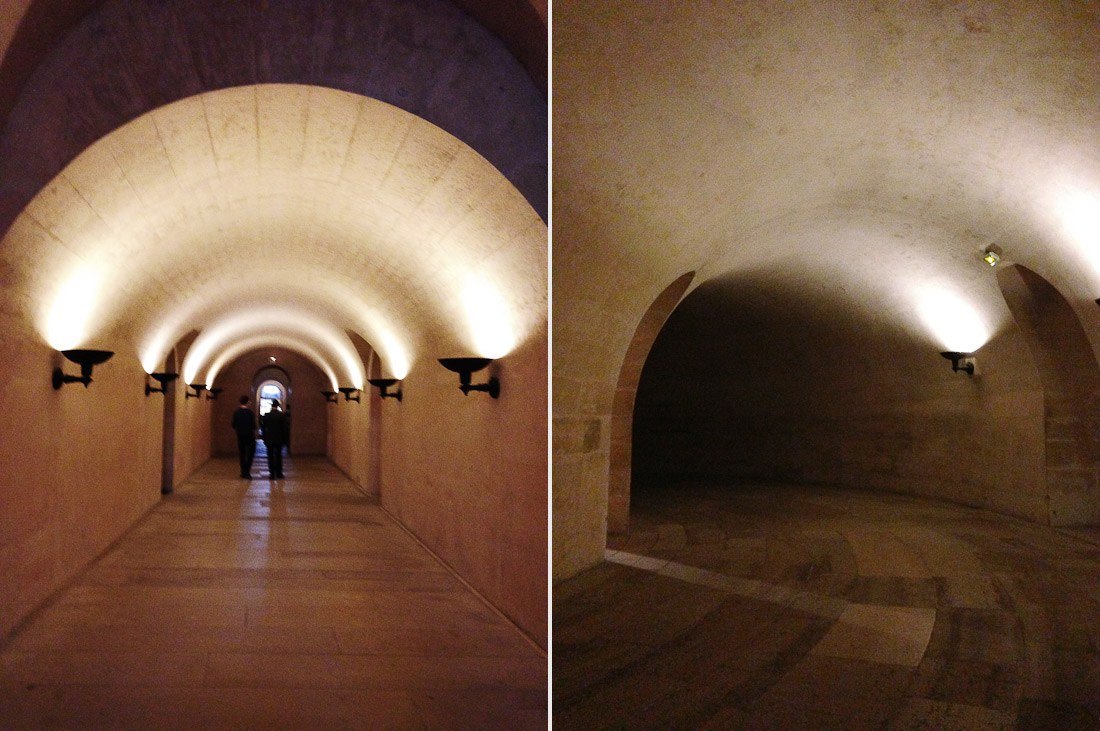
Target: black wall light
x=212 y=394
x=348 y=391
x=163 y=379
x=86 y=359
x=383 y=385
x=330 y=396
x=199 y=388
x=466 y=366
x=966 y=359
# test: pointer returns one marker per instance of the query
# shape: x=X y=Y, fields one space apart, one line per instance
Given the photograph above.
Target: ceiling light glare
x=68 y=319
x=488 y=315
x=953 y=321
x=1080 y=214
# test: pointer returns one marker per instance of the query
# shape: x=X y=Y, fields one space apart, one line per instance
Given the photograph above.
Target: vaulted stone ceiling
x=874 y=146
x=293 y=211
x=391 y=184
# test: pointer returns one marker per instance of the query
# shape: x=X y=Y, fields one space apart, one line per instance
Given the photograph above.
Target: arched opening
x=267 y=394
x=1071 y=384
x=622 y=407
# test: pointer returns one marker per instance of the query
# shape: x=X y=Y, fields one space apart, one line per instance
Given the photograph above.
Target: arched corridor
x=326 y=198
x=296 y=603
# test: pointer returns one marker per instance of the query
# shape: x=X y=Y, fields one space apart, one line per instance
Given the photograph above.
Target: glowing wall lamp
x=966 y=360
x=383 y=384
x=330 y=396
x=464 y=367
x=163 y=379
x=212 y=394
x=86 y=359
x=199 y=388
x=348 y=391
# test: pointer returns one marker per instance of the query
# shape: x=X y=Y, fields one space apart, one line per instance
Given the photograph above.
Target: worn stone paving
x=293 y=603
x=776 y=606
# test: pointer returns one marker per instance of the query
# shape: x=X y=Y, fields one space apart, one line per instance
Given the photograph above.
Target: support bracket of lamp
x=330 y=396
x=212 y=393
x=199 y=388
x=960 y=361
x=383 y=385
x=86 y=359
x=348 y=391
x=163 y=379
x=464 y=367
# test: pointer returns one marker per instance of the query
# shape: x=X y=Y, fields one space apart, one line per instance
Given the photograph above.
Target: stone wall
x=466 y=474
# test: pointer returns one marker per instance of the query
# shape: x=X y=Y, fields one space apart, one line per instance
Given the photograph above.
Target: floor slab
x=754 y=605
x=290 y=603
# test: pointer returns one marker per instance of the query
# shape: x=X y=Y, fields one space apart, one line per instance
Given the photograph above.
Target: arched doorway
x=622 y=407
x=1071 y=386
x=267 y=394
x=272 y=383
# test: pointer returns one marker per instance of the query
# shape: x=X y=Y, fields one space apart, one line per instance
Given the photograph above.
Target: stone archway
x=622 y=407
x=1071 y=385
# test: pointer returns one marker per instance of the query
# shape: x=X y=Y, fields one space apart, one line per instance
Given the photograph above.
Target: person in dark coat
x=244 y=423
x=275 y=432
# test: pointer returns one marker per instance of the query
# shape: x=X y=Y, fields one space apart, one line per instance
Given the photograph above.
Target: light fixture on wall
x=330 y=396
x=212 y=394
x=991 y=255
x=466 y=366
x=960 y=361
x=86 y=359
x=199 y=388
x=348 y=391
x=163 y=379
x=383 y=384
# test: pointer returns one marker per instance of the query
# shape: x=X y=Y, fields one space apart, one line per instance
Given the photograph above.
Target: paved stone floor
x=289 y=604
x=783 y=607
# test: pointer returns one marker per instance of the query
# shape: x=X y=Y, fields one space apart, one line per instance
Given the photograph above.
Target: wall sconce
x=383 y=384
x=966 y=359
x=199 y=388
x=212 y=394
x=163 y=379
x=86 y=359
x=330 y=396
x=348 y=391
x=464 y=367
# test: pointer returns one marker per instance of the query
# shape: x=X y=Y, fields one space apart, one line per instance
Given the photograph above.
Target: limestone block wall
x=309 y=421
x=466 y=474
x=79 y=466
x=192 y=433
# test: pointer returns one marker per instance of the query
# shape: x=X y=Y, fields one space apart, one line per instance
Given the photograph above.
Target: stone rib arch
x=622 y=408
x=1070 y=379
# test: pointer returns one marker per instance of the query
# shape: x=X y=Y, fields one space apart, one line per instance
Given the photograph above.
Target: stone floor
x=782 y=607
x=296 y=603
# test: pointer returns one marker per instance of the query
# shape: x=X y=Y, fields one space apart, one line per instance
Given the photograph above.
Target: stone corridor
x=773 y=606
x=291 y=603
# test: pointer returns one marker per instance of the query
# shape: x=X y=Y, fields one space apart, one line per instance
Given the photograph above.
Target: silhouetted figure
x=244 y=423
x=275 y=432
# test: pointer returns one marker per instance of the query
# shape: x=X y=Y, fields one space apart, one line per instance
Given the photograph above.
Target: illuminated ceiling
x=284 y=212
x=866 y=152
